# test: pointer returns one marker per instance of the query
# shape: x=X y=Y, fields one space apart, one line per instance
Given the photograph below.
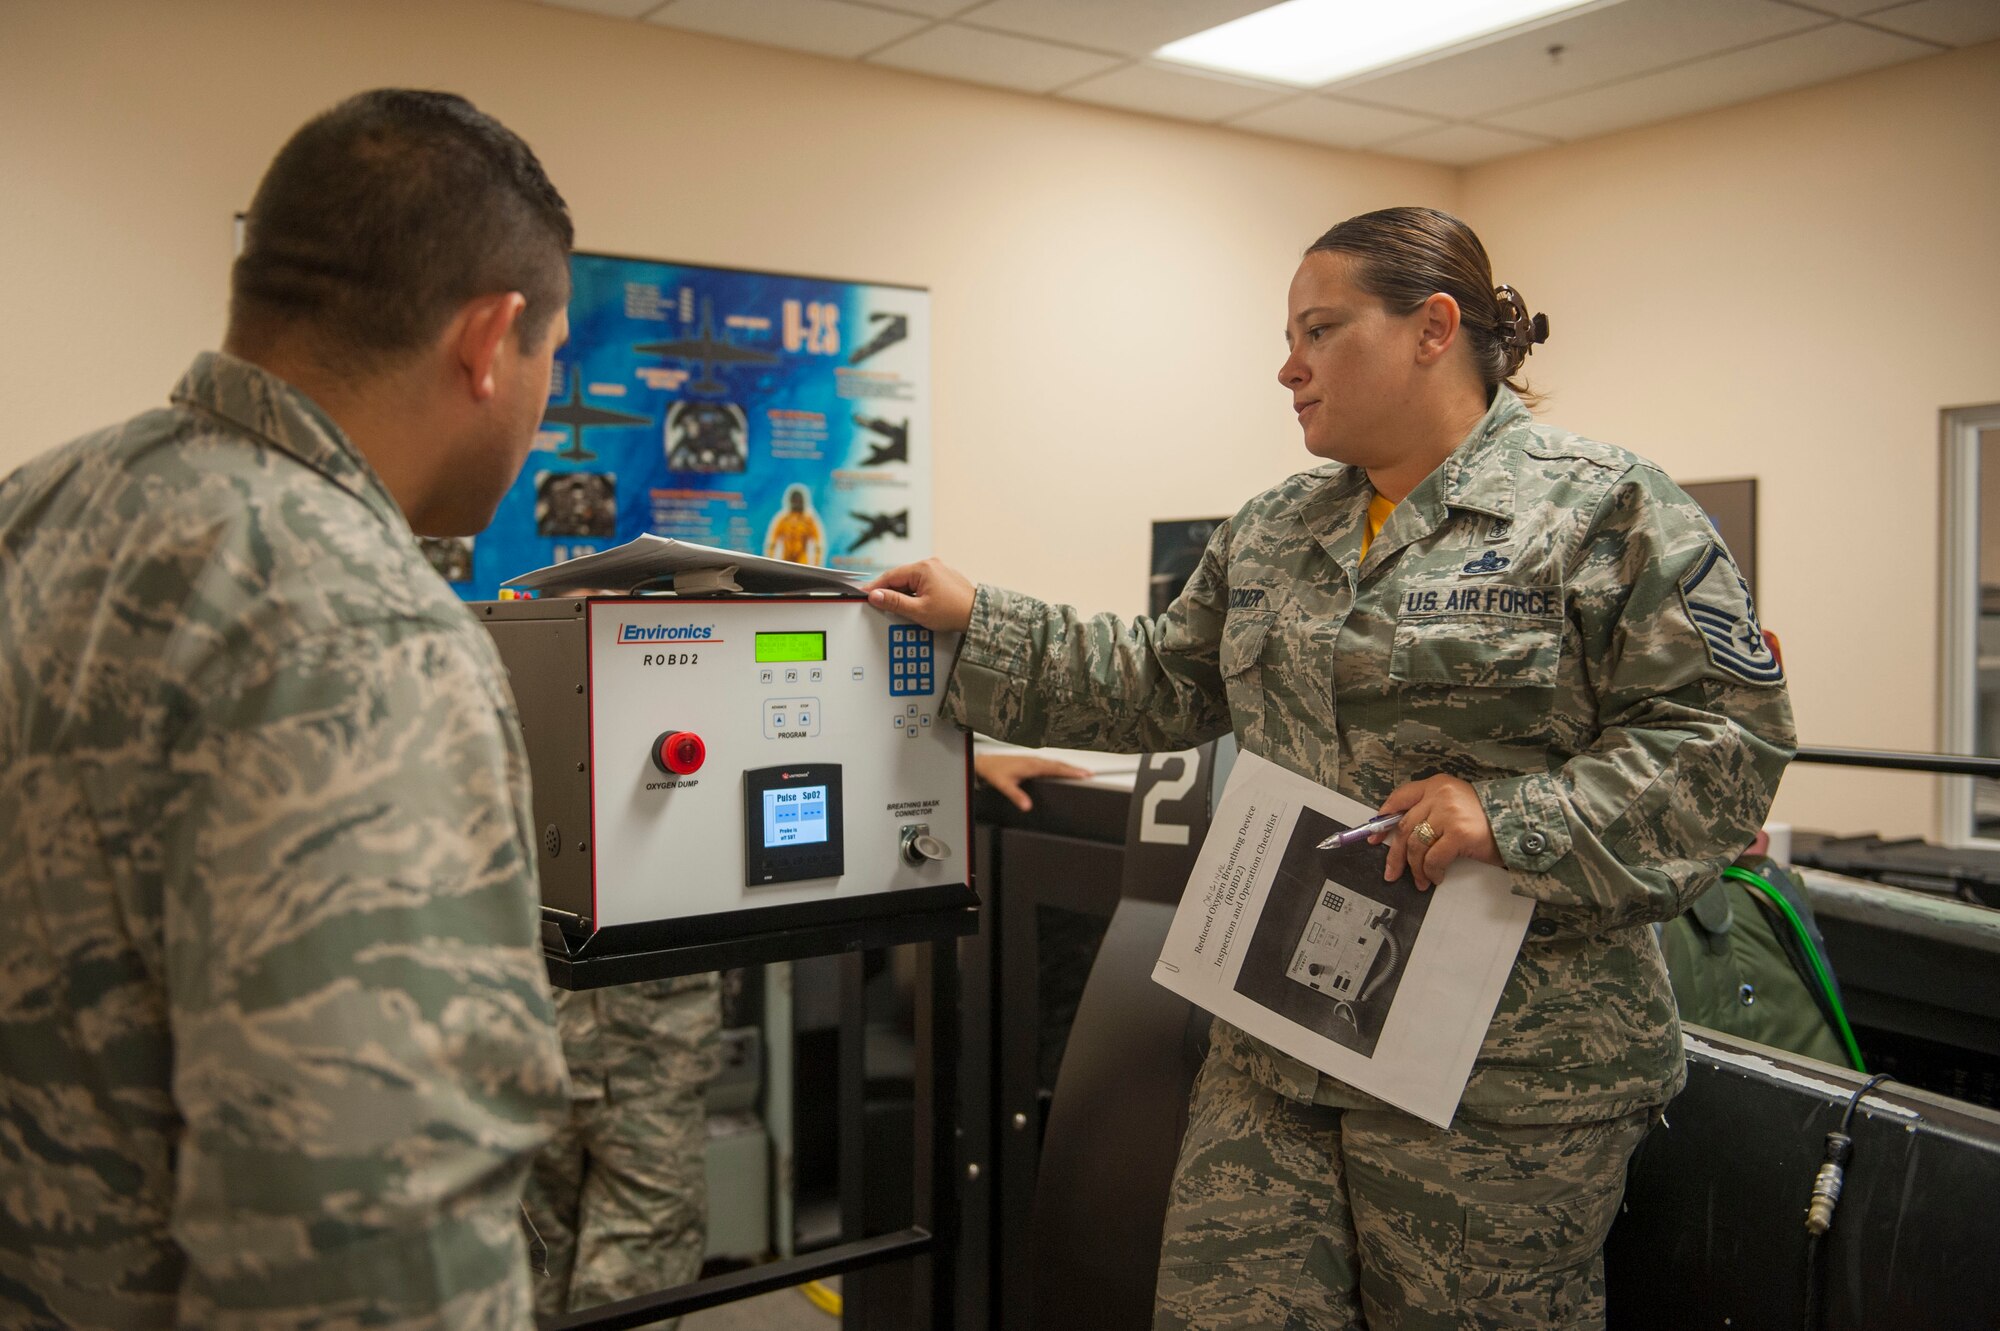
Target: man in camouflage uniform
x=620 y=1197
x=1546 y=618
x=276 y=1043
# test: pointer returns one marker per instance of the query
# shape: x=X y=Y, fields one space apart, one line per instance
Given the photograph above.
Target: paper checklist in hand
x=1306 y=947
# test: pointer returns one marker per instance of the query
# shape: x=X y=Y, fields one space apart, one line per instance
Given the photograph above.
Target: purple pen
x=1354 y=836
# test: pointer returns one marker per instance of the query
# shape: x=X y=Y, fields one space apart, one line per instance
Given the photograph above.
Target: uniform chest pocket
x=1245 y=634
x=1477 y=651
x=1476 y=694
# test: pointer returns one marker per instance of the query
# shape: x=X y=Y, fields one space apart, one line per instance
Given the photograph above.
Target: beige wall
x=1791 y=289
x=1108 y=289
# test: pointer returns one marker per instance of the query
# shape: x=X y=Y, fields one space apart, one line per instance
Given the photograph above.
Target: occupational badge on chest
x=1492 y=561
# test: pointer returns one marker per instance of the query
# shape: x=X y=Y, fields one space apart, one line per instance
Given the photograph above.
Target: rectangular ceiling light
x=1312 y=42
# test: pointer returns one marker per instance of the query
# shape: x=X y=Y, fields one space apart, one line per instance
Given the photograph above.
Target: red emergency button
x=680 y=752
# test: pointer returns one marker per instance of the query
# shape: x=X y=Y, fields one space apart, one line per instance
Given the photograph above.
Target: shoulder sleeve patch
x=1718 y=601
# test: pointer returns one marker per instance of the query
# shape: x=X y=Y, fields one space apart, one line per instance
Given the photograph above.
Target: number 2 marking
x=1167 y=788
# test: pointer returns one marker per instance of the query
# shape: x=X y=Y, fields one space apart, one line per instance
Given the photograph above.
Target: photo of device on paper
x=1334 y=940
x=1345 y=937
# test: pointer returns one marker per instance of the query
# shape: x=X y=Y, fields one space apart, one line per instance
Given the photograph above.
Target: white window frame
x=1962 y=428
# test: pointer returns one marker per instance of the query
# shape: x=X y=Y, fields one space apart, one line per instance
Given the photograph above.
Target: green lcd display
x=791 y=647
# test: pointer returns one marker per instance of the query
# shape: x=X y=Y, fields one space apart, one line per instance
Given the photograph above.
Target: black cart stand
x=934 y=1235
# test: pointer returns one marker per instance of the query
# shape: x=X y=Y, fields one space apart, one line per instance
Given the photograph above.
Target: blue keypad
x=911 y=666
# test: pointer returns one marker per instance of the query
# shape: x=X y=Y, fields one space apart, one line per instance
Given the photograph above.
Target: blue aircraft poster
x=780 y=415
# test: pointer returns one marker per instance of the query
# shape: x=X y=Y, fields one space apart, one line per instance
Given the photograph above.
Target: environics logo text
x=658 y=633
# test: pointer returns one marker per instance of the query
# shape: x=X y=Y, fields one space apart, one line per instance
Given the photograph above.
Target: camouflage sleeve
x=1038 y=674
x=1694 y=724
x=365 y=1059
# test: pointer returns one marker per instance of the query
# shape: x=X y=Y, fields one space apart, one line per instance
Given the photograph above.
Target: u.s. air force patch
x=1718 y=600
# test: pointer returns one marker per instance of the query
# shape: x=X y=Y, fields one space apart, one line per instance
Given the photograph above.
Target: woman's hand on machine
x=928 y=593
x=1450 y=810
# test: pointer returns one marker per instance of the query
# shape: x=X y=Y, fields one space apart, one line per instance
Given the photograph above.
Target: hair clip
x=1519 y=331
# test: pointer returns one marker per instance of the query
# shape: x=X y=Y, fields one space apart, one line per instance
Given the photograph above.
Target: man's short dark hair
x=383 y=216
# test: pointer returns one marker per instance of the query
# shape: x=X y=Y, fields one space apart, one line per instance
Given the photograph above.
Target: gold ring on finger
x=1425 y=833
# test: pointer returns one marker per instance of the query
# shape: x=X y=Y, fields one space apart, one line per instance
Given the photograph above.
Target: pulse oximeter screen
x=794 y=816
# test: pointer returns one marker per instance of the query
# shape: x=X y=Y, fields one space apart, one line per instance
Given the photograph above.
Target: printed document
x=1377 y=984
x=648 y=561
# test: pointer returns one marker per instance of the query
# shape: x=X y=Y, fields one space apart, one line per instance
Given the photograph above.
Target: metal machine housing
x=635 y=857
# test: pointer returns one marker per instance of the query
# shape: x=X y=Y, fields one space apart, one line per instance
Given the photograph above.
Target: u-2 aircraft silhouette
x=894 y=328
x=708 y=351
x=577 y=415
x=895 y=445
x=880 y=525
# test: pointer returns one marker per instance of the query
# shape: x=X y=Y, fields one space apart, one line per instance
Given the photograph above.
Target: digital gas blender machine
x=722 y=767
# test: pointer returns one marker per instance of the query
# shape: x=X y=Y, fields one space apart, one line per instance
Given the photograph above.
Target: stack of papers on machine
x=660 y=563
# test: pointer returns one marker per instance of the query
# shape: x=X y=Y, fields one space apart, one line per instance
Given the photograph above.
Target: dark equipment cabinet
x=1712 y=1230
x=1048 y=884
x=1051 y=882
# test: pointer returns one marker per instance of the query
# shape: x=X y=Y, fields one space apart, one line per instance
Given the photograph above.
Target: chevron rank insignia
x=1718 y=601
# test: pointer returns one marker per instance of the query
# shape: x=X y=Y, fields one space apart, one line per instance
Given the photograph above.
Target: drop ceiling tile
x=822 y=27
x=614 y=8
x=1130 y=27
x=1799 y=61
x=952 y=52
x=1166 y=91
x=946 y=8
x=1599 y=46
x=1462 y=145
x=1846 y=8
x=1333 y=122
x=1953 y=22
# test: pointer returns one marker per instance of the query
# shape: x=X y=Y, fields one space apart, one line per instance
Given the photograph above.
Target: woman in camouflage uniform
x=1535 y=647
